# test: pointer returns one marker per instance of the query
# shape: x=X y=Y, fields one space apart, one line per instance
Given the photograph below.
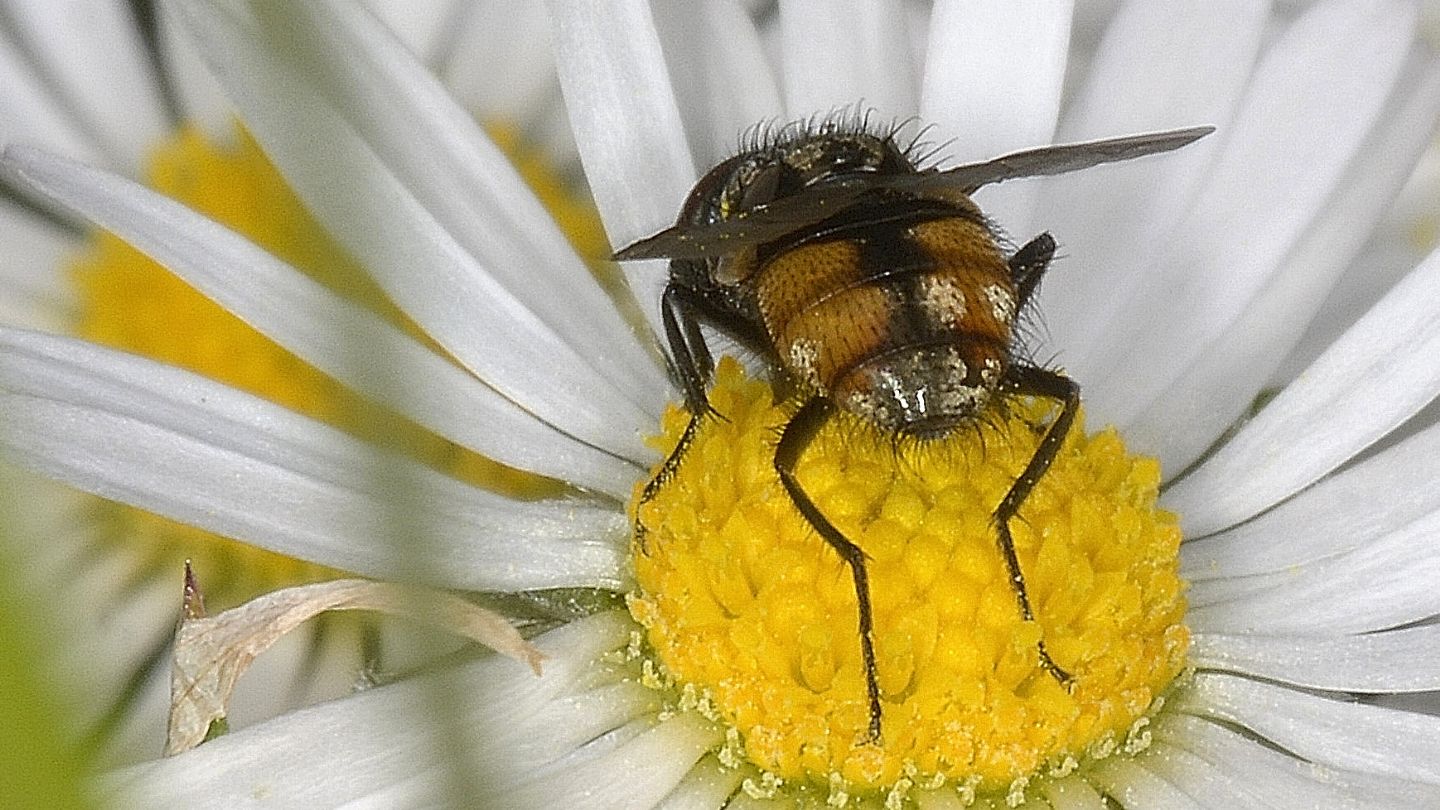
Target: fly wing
x=1047 y=160
x=786 y=215
x=763 y=224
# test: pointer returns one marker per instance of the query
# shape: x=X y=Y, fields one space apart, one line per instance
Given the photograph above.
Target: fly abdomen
x=906 y=326
x=923 y=389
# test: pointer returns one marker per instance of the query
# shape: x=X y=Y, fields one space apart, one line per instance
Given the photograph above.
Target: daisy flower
x=730 y=676
x=115 y=85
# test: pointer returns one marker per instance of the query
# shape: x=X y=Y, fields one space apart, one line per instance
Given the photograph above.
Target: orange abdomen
x=907 y=326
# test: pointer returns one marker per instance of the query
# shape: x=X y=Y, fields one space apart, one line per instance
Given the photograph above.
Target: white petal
x=1339 y=514
x=993 y=75
x=1072 y=793
x=475 y=56
x=1282 y=781
x=175 y=443
x=504 y=727
x=94 y=57
x=626 y=124
x=466 y=184
x=1396 y=661
x=1198 y=778
x=422 y=25
x=197 y=92
x=1131 y=785
x=1033 y=802
x=1348 y=736
x=941 y=799
x=1143 y=76
x=32 y=112
x=1220 y=385
x=707 y=786
x=1386 y=583
x=1394 y=248
x=322 y=328
x=372 y=210
x=33 y=288
x=1154 y=70
x=1306 y=112
x=1374 y=378
x=843 y=53
x=723 y=82
x=638 y=773
x=416 y=791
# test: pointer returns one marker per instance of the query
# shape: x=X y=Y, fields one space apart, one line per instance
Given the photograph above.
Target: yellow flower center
x=129 y=302
x=753 y=617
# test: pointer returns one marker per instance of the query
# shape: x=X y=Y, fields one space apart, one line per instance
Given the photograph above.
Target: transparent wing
x=786 y=215
x=1047 y=160
x=762 y=224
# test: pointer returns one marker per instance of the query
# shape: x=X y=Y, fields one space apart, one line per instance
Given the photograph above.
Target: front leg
x=690 y=361
x=692 y=365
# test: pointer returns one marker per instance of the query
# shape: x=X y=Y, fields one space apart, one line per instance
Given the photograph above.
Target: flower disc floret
x=745 y=603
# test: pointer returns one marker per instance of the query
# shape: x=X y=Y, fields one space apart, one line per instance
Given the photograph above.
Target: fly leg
x=691 y=365
x=1050 y=384
x=1028 y=265
x=798 y=433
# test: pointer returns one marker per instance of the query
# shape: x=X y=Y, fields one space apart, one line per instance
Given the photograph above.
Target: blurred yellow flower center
x=753 y=617
x=129 y=302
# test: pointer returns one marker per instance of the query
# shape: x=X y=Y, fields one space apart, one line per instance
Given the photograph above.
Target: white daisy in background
x=1185 y=283
x=113 y=84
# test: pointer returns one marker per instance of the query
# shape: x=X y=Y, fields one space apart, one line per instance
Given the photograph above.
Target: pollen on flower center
x=745 y=603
